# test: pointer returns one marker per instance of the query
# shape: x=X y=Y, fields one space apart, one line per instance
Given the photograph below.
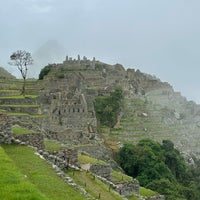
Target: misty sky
x=159 y=37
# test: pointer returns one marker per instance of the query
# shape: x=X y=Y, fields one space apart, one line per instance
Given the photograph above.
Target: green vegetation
x=147 y=192
x=17 y=130
x=120 y=177
x=44 y=71
x=20 y=105
x=108 y=107
x=94 y=186
x=160 y=168
x=14 y=185
x=40 y=174
x=20 y=97
x=85 y=159
x=9 y=91
x=52 y=145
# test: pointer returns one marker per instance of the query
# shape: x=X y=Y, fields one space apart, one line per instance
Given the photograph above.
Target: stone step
x=30 y=109
x=9 y=93
x=25 y=118
x=141 y=132
x=30 y=86
x=22 y=100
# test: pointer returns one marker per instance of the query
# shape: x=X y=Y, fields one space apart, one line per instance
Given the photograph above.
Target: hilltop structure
x=71 y=88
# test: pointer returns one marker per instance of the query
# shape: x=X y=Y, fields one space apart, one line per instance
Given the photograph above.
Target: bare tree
x=21 y=59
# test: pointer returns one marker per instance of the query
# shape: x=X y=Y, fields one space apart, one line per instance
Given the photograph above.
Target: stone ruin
x=84 y=63
x=101 y=170
x=71 y=117
x=6 y=136
x=5 y=129
x=64 y=159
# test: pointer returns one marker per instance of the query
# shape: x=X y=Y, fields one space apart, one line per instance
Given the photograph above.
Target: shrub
x=44 y=71
x=108 y=107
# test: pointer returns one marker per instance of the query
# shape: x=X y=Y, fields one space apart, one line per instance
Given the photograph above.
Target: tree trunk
x=23 y=87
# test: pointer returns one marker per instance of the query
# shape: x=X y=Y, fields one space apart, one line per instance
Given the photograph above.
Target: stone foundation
x=101 y=170
x=5 y=129
x=128 y=188
x=34 y=140
x=66 y=158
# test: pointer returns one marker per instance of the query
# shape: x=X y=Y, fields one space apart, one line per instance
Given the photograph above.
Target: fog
x=158 y=37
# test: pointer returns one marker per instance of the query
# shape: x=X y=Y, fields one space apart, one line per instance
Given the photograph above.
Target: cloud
x=41 y=9
x=38 y=6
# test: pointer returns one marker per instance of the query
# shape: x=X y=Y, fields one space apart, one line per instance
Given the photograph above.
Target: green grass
x=17 y=130
x=132 y=197
x=26 y=114
x=51 y=145
x=20 y=105
x=12 y=90
x=2 y=111
x=41 y=174
x=14 y=185
x=20 y=97
x=84 y=159
x=94 y=186
x=18 y=114
x=120 y=177
x=147 y=192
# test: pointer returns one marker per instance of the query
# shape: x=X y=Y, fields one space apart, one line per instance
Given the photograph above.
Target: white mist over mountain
x=50 y=52
x=157 y=37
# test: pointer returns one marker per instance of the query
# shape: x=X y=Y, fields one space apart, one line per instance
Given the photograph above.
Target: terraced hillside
x=23 y=110
x=27 y=176
x=61 y=108
x=139 y=121
x=159 y=115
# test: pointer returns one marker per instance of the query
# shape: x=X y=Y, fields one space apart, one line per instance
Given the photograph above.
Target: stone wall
x=5 y=129
x=35 y=140
x=69 y=136
x=128 y=188
x=157 y=197
x=26 y=100
x=70 y=155
x=65 y=158
x=101 y=170
x=22 y=109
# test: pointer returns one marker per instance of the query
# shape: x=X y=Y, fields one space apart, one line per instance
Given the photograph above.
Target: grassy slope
x=41 y=174
x=17 y=130
x=83 y=178
x=13 y=184
x=94 y=186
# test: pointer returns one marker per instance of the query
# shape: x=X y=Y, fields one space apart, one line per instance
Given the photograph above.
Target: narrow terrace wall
x=5 y=129
x=35 y=140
